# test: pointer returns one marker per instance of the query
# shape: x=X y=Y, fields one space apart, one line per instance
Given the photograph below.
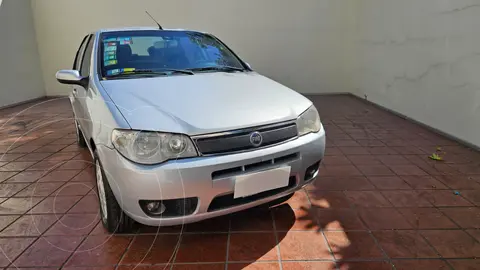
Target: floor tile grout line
x=260 y=232
x=31 y=244
x=177 y=246
x=8 y=178
x=23 y=144
x=416 y=229
x=37 y=181
x=448 y=217
x=376 y=189
x=297 y=260
x=124 y=252
x=452 y=189
x=49 y=196
x=460 y=228
x=85 y=237
x=36 y=128
x=23 y=214
x=228 y=241
x=385 y=254
x=42 y=234
x=448 y=264
x=330 y=250
x=9 y=224
x=277 y=242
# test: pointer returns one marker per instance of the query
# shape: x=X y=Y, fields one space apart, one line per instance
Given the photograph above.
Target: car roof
x=140 y=29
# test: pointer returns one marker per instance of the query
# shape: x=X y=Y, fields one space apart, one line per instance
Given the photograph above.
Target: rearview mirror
x=71 y=77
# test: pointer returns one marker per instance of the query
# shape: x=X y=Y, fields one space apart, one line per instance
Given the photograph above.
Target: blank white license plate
x=254 y=183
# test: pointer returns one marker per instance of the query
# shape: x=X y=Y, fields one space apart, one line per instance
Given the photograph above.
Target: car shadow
x=330 y=214
x=241 y=238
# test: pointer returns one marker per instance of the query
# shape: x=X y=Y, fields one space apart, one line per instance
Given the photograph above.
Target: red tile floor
x=378 y=203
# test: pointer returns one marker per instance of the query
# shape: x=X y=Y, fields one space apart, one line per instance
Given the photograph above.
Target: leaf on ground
x=436 y=157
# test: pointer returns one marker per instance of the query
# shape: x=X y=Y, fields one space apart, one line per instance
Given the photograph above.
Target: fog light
x=169 y=208
x=155 y=208
x=312 y=171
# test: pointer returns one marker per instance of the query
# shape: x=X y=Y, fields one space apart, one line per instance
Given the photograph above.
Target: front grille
x=226 y=201
x=240 y=140
x=274 y=162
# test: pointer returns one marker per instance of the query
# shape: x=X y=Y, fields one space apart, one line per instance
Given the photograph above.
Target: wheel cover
x=101 y=191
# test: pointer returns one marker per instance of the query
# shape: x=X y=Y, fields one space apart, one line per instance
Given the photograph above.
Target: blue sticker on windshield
x=110 y=40
x=110 y=48
x=109 y=57
x=118 y=71
x=121 y=40
x=113 y=72
x=110 y=62
x=125 y=40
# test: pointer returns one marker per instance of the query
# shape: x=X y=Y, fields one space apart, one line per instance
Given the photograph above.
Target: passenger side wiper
x=163 y=71
x=218 y=68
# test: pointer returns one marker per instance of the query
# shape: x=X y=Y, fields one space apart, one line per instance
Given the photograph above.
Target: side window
x=87 y=56
x=78 y=56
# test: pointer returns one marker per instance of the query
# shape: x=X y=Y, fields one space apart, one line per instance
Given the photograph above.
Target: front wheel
x=80 y=139
x=113 y=218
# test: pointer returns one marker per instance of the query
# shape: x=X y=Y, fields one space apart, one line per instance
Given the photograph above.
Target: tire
x=80 y=139
x=114 y=220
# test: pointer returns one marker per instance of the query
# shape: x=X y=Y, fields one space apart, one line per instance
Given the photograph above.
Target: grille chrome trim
x=238 y=140
x=257 y=166
x=244 y=130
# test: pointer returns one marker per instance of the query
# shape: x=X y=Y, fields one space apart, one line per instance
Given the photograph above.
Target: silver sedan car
x=181 y=129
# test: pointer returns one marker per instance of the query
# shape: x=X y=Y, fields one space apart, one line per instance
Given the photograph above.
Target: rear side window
x=87 y=56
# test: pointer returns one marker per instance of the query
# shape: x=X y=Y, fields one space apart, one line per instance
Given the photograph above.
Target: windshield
x=130 y=51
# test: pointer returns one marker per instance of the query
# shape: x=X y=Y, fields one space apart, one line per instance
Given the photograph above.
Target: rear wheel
x=80 y=139
x=113 y=217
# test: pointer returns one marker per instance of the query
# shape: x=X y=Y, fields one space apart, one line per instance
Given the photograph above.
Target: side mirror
x=71 y=77
x=248 y=65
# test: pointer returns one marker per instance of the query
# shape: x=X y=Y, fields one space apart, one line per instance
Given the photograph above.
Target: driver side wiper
x=163 y=71
x=217 y=68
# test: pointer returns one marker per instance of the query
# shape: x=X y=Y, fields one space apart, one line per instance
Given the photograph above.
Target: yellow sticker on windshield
x=128 y=69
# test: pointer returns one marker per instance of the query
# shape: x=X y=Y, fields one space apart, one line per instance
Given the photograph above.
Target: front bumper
x=192 y=177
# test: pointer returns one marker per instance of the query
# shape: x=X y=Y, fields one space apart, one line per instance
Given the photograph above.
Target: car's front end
x=198 y=181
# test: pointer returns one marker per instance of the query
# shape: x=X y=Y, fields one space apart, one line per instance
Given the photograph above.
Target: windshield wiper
x=217 y=68
x=163 y=71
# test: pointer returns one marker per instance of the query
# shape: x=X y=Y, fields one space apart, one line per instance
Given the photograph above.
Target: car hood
x=204 y=103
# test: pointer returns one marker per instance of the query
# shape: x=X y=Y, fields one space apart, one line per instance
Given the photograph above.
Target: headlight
x=309 y=121
x=148 y=147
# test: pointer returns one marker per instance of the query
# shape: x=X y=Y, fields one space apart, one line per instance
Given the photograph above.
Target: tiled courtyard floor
x=378 y=203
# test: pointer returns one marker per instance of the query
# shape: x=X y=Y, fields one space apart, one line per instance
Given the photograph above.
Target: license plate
x=254 y=183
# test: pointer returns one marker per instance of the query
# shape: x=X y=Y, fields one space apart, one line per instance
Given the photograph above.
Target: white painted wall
x=20 y=74
x=299 y=43
x=421 y=58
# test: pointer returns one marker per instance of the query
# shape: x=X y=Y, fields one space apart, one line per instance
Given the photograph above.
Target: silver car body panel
x=132 y=182
x=195 y=105
x=204 y=103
